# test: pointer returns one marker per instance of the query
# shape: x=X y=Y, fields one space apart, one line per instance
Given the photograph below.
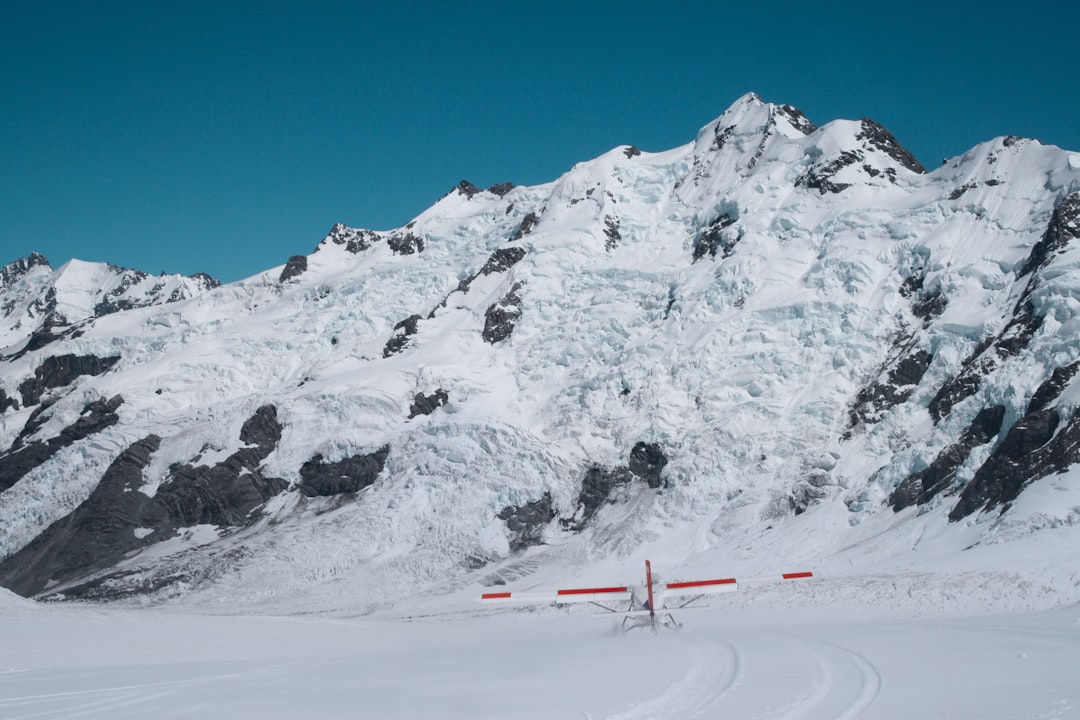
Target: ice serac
x=780 y=330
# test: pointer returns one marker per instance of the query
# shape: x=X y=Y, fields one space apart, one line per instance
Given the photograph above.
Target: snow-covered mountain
x=776 y=339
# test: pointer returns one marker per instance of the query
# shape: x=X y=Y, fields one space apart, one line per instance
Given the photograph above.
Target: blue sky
x=224 y=137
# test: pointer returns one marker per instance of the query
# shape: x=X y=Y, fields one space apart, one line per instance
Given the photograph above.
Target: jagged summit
x=776 y=328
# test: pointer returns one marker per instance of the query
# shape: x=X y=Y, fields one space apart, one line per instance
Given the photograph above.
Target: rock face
x=349 y=475
x=25 y=456
x=296 y=266
x=940 y=475
x=500 y=318
x=426 y=404
x=899 y=384
x=402 y=332
x=712 y=239
x=61 y=370
x=527 y=522
x=118 y=519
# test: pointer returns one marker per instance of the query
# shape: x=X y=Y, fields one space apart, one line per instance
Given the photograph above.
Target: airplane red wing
x=684 y=592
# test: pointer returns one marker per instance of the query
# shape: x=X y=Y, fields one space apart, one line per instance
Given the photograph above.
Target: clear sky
x=226 y=136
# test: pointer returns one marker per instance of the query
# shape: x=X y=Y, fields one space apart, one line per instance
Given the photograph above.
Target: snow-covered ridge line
x=774 y=329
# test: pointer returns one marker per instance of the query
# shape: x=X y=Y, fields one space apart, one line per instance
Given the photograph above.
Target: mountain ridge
x=757 y=321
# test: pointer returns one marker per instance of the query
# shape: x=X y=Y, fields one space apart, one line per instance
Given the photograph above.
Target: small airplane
x=674 y=596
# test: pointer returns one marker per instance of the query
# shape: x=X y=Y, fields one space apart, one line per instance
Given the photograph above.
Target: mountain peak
x=17 y=268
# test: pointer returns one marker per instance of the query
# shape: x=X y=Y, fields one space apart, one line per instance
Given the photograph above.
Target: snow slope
x=729 y=356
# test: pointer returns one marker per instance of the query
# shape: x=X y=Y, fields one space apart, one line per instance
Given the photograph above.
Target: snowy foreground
x=946 y=629
x=58 y=663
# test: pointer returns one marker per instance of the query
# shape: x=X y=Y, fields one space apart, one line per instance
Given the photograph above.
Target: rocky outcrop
x=96 y=535
x=500 y=318
x=501 y=189
x=611 y=232
x=526 y=523
x=406 y=243
x=118 y=519
x=319 y=478
x=647 y=462
x=224 y=494
x=402 y=332
x=1023 y=456
x=1064 y=227
x=939 y=476
x=7 y=402
x=24 y=457
x=426 y=404
x=526 y=226
x=820 y=177
x=355 y=241
x=713 y=239
x=1051 y=388
x=16 y=269
x=881 y=139
x=878 y=397
x=502 y=260
x=60 y=371
x=600 y=484
x=297 y=265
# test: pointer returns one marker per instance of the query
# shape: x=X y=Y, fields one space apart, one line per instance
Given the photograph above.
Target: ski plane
x=650 y=613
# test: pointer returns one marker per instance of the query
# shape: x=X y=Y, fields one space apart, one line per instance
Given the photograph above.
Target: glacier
x=778 y=343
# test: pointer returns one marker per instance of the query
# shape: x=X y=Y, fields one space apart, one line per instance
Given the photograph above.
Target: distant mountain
x=774 y=321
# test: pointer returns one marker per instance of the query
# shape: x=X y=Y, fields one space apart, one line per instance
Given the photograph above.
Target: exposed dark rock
x=647 y=461
x=117 y=299
x=880 y=138
x=525 y=227
x=426 y=404
x=61 y=370
x=712 y=239
x=355 y=241
x=348 y=475
x=820 y=177
x=403 y=331
x=929 y=305
x=500 y=318
x=630 y=151
x=878 y=397
x=987 y=357
x=467 y=189
x=97 y=534
x=406 y=244
x=912 y=285
x=1025 y=455
x=501 y=189
x=23 y=458
x=797 y=119
x=102 y=530
x=502 y=259
x=1064 y=227
x=297 y=265
x=225 y=494
x=611 y=231
x=940 y=475
x=11 y=272
x=720 y=137
x=1050 y=389
x=526 y=522
x=6 y=402
x=596 y=488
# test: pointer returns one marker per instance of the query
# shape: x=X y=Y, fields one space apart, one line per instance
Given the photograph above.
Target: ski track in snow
x=714 y=669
